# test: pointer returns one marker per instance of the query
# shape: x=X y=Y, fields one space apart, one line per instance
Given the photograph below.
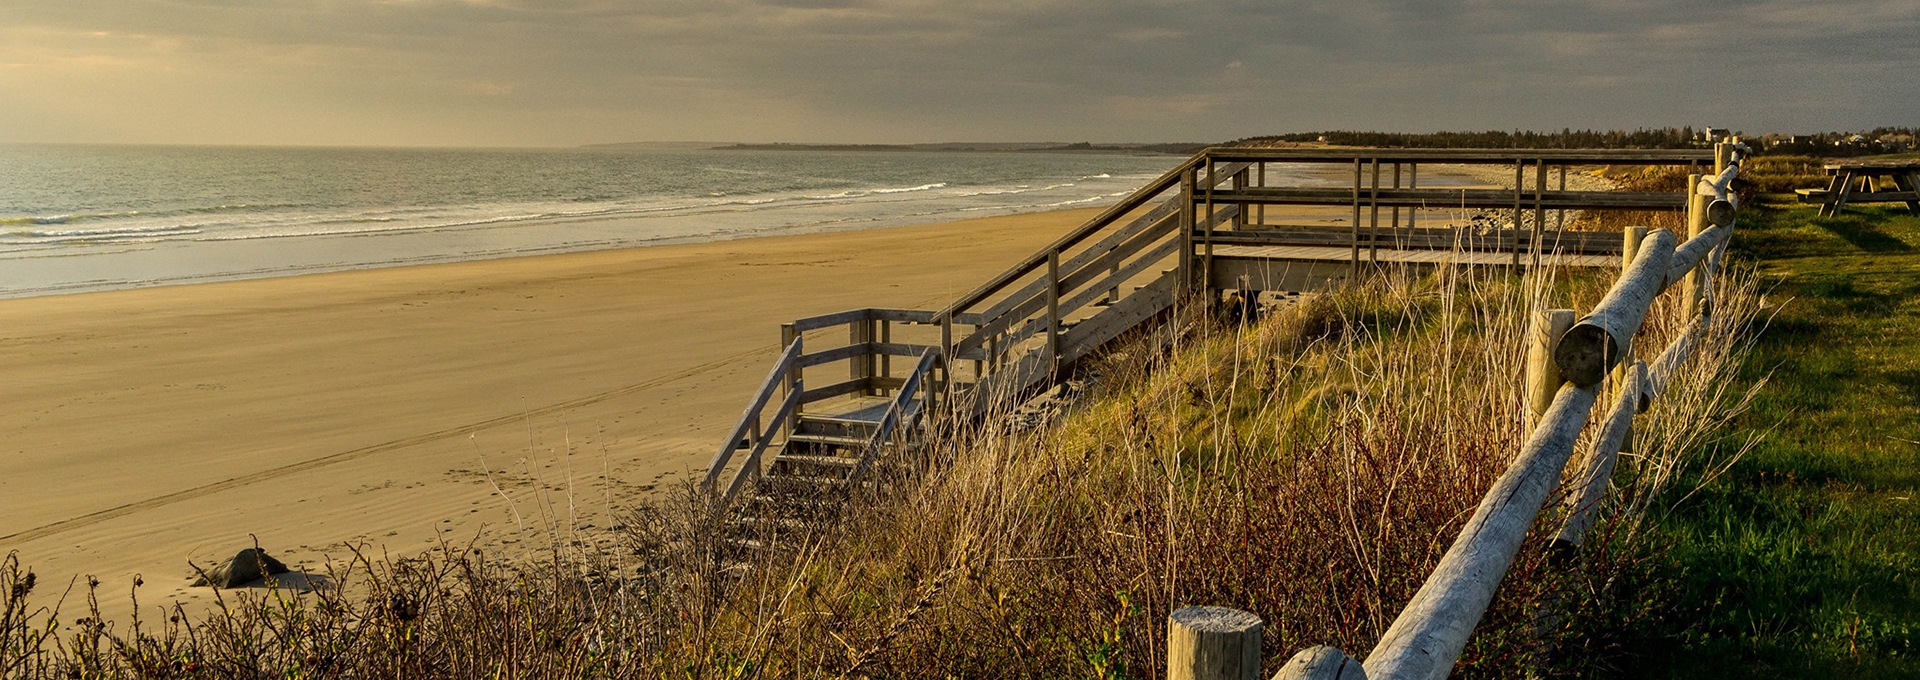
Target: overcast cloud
x=564 y=72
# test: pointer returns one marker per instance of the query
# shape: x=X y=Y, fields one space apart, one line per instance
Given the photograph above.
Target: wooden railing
x=1569 y=362
x=1133 y=260
x=867 y=354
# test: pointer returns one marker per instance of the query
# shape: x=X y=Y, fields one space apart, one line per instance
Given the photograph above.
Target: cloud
x=581 y=71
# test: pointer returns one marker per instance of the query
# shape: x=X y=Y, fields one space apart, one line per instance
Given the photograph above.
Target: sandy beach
x=146 y=428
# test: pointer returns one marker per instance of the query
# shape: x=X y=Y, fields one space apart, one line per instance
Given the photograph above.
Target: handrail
x=881 y=433
x=1134 y=200
x=750 y=419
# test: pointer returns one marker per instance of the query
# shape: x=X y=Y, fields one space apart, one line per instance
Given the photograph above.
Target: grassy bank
x=1804 y=560
x=1310 y=468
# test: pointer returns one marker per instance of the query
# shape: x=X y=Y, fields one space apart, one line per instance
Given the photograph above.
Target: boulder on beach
x=251 y=564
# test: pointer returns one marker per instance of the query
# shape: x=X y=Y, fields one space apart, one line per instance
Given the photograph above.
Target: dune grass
x=1310 y=468
x=1804 y=560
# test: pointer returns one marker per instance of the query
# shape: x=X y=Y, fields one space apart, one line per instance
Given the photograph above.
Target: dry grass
x=1310 y=468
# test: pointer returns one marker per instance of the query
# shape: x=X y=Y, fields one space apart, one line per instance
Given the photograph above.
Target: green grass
x=1804 y=560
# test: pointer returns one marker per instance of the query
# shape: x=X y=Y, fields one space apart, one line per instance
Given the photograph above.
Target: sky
x=570 y=72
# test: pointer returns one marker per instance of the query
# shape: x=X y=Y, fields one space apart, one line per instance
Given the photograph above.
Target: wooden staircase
x=1022 y=331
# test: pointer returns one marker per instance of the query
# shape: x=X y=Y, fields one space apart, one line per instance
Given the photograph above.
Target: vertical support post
x=1397 y=242
x=1691 y=287
x=1186 y=229
x=1261 y=210
x=886 y=360
x=1413 y=182
x=789 y=337
x=1629 y=249
x=1630 y=245
x=1353 y=277
x=1543 y=375
x=1213 y=643
x=1722 y=155
x=1519 y=182
x=1539 y=209
x=1560 y=216
x=946 y=349
x=1240 y=182
x=1053 y=310
x=1206 y=230
x=1373 y=222
x=860 y=366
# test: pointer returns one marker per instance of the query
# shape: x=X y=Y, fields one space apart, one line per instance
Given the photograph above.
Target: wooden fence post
x=1213 y=643
x=1629 y=249
x=1691 y=288
x=1543 y=376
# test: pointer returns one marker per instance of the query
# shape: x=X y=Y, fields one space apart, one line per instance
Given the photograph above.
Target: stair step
x=838 y=461
x=835 y=440
x=836 y=420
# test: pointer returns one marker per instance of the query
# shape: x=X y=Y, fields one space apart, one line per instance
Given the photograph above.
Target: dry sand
x=146 y=428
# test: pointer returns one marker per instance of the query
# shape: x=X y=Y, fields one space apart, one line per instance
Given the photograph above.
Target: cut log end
x=1585 y=354
x=1213 y=643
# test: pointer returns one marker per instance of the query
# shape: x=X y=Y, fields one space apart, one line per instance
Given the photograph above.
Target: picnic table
x=1857 y=180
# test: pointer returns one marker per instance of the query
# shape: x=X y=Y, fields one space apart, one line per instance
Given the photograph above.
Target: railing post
x=1186 y=229
x=1053 y=310
x=1691 y=288
x=1260 y=219
x=1519 y=184
x=860 y=367
x=1213 y=643
x=886 y=360
x=789 y=336
x=1543 y=375
x=1373 y=217
x=1398 y=243
x=1206 y=262
x=1353 y=276
x=1240 y=183
x=1539 y=209
x=1413 y=182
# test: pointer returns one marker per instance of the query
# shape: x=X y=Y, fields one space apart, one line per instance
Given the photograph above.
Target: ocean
x=79 y=218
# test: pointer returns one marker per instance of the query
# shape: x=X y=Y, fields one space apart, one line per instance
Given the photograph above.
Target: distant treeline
x=1181 y=148
x=1662 y=138
x=1875 y=141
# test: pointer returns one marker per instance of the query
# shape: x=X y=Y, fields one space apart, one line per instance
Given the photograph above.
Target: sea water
x=91 y=217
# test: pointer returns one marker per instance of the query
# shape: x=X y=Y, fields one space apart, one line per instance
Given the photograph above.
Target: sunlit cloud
x=518 y=72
